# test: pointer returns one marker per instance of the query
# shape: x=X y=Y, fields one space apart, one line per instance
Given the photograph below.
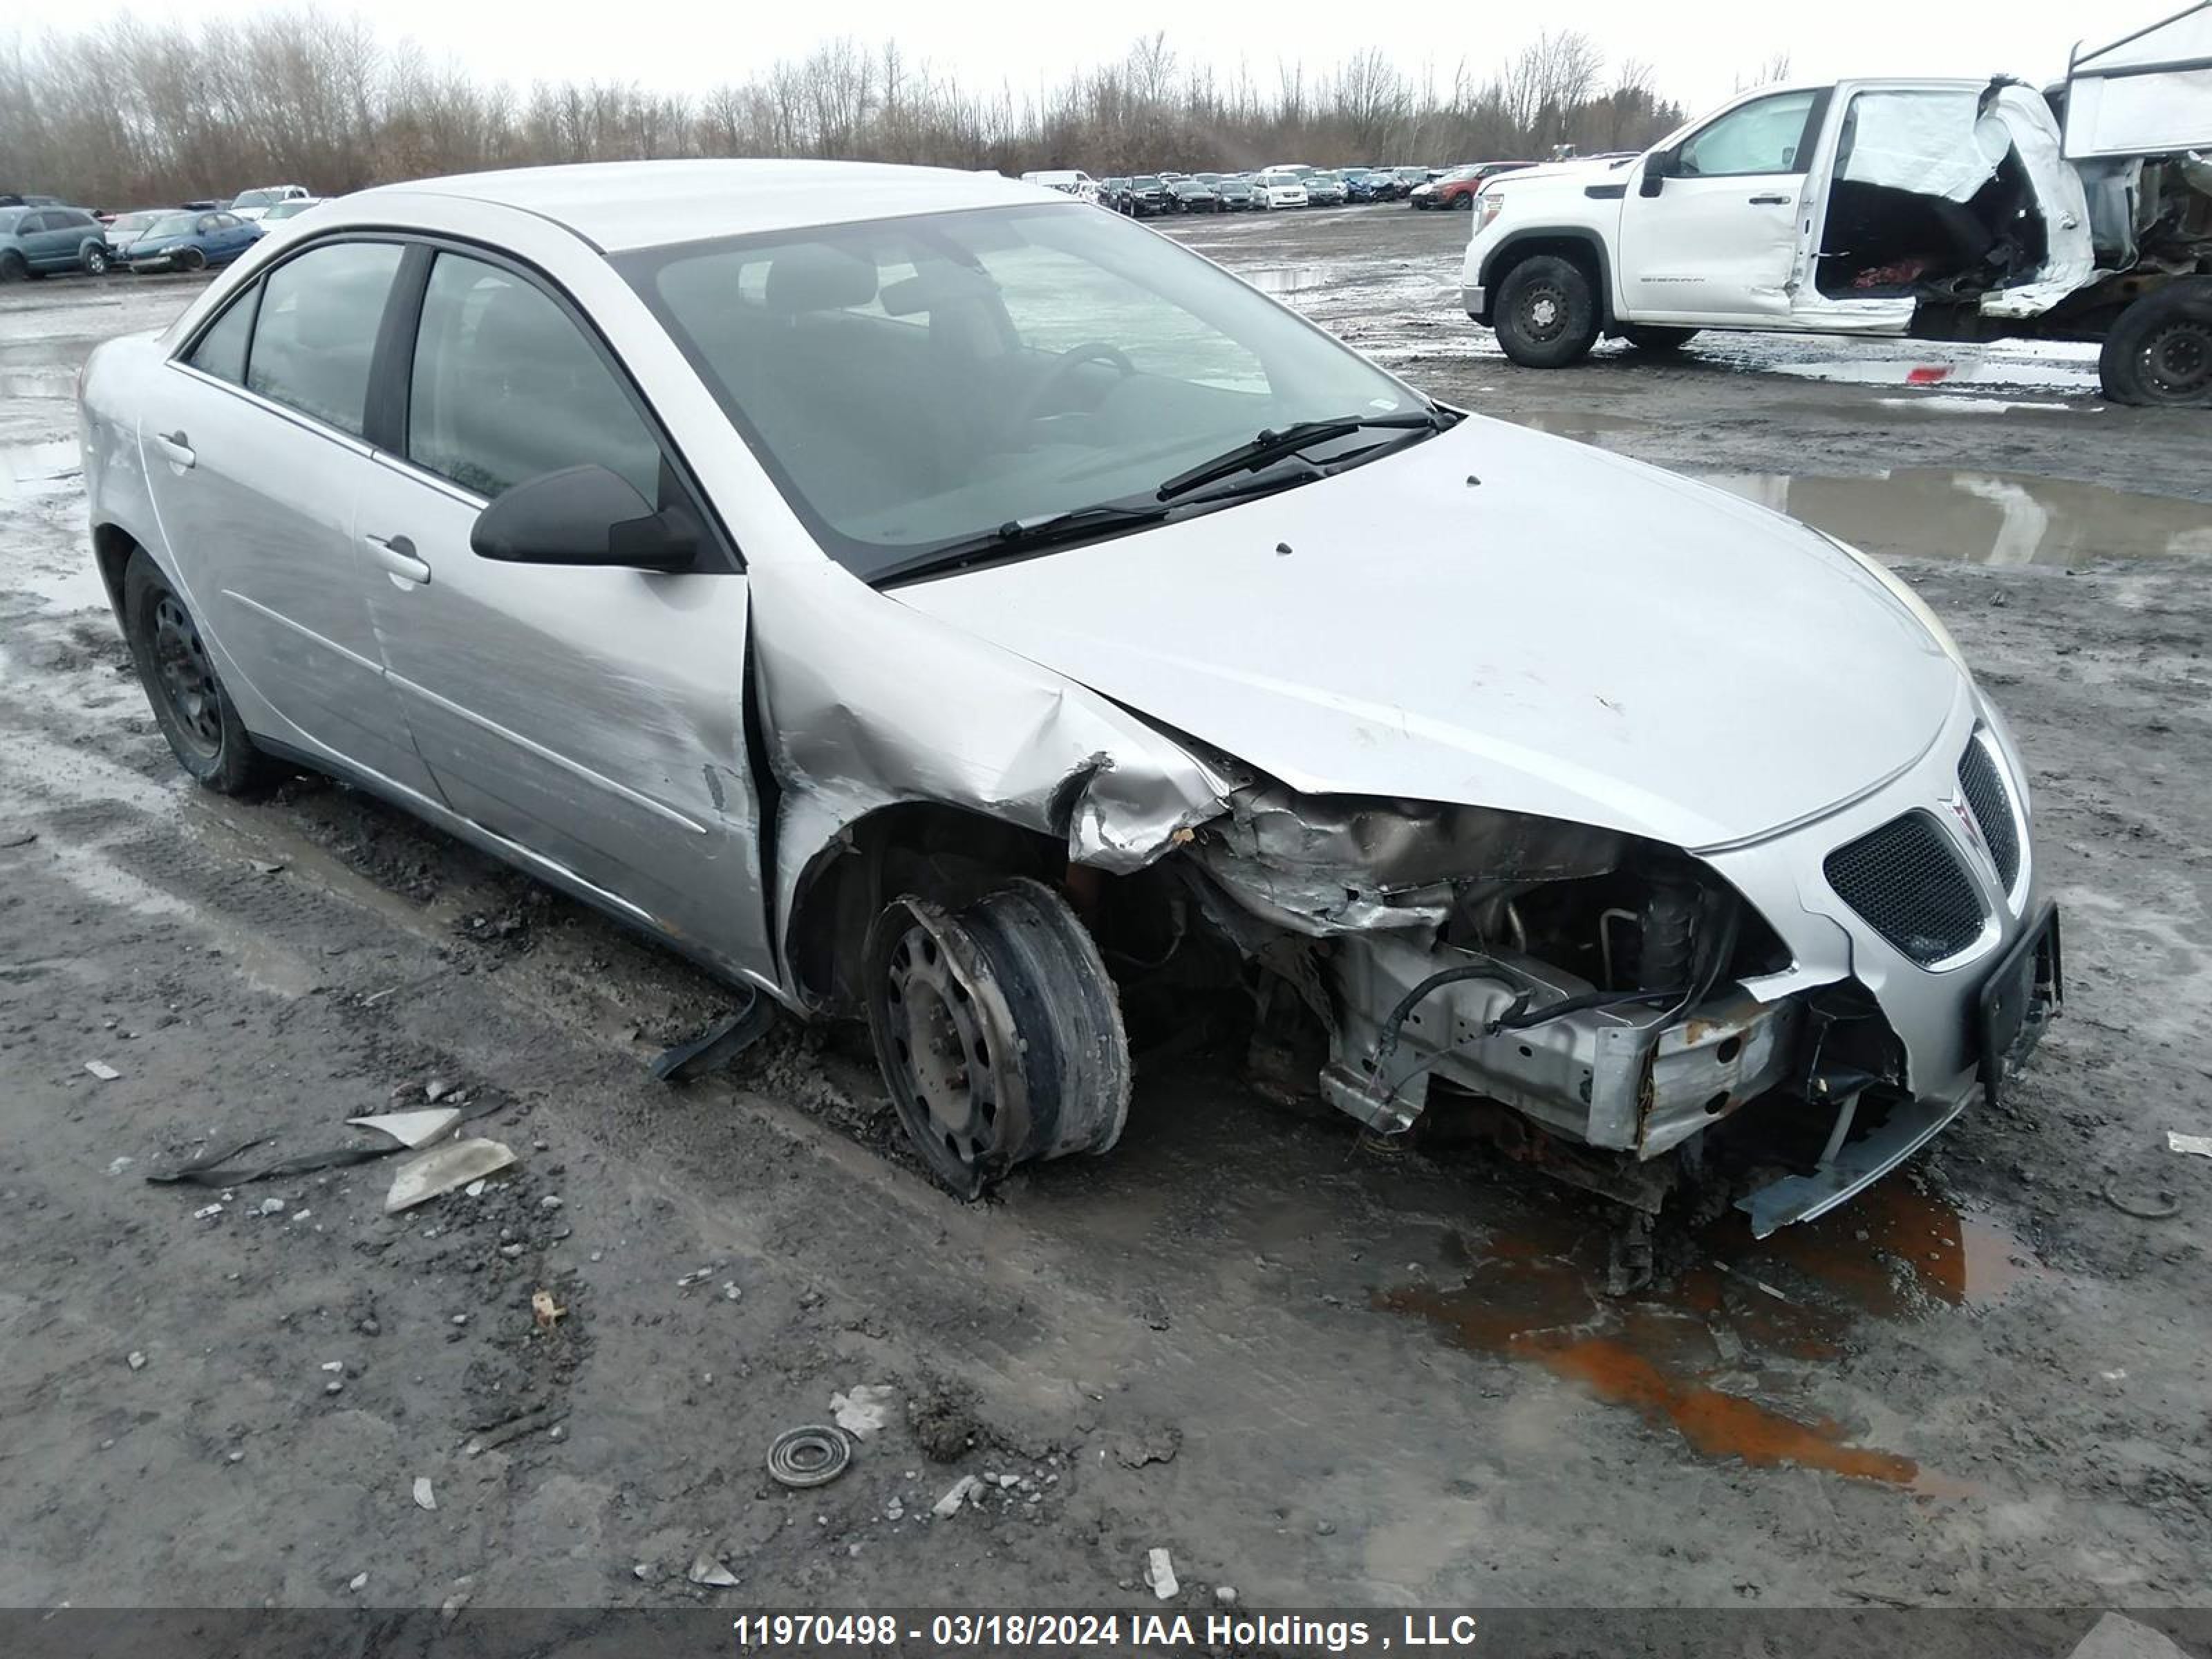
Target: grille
x=1983 y=780
x=1907 y=883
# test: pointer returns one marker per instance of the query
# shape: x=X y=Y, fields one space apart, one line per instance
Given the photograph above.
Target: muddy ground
x=1313 y=1374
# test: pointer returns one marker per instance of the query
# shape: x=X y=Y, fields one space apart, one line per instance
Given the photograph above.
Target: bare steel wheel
x=1545 y=312
x=194 y=711
x=188 y=683
x=998 y=1031
x=192 y=258
x=2160 y=351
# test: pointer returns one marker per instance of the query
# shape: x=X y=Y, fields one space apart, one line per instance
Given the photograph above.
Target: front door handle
x=396 y=555
x=177 y=447
x=1770 y=201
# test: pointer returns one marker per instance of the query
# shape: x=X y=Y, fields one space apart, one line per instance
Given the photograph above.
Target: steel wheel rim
x=1545 y=312
x=945 y=1056
x=2176 y=361
x=187 y=678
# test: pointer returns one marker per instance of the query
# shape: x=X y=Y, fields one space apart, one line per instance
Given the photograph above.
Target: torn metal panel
x=869 y=703
x=1331 y=863
x=2060 y=200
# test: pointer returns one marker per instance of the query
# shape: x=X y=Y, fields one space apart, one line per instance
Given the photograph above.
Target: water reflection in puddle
x=1984 y=518
x=28 y=467
x=1724 y=1353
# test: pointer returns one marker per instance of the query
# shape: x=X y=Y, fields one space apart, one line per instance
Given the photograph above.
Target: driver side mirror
x=584 y=515
x=1658 y=167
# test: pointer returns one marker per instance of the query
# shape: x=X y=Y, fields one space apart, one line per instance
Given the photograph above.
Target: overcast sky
x=1698 y=49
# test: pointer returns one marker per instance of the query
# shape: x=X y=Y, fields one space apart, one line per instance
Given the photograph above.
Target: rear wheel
x=1648 y=337
x=195 y=714
x=998 y=1030
x=12 y=268
x=1546 y=312
x=2160 y=351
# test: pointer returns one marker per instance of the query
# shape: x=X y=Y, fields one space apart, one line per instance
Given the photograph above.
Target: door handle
x=177 y=447
x=1770 y=201
x=396 y=555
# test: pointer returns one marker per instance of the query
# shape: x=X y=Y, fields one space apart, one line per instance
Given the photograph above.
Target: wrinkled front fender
x=866 y=703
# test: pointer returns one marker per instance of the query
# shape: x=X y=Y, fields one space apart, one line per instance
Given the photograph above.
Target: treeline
x=134 y=111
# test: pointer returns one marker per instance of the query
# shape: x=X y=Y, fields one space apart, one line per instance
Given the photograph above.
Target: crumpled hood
x=1578 y=636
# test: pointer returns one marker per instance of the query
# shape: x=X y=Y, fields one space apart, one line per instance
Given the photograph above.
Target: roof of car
x=626 y=204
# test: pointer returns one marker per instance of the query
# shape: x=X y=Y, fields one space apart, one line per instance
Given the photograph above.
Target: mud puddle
x=1982 y=517
x=40 y=467
x=1729 y=1352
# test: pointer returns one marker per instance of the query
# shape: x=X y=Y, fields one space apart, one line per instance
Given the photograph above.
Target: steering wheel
x=1041 y=395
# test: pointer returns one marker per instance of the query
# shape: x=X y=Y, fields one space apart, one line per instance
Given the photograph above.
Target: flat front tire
x=1546 y=312
x=998 y=1030
x=195 y=714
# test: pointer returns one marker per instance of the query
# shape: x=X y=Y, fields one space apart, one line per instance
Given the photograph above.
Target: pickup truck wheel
x=1646 y=336
x=1546 y=314
x=2160 y=351
x=998 y=1030
x=195 y=714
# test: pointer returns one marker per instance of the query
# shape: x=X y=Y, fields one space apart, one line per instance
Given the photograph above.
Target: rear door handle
x=1770 y=201
x=177 y=447
x=396 y=555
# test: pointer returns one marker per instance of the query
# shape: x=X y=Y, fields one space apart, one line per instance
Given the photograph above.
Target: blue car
x=192 y=241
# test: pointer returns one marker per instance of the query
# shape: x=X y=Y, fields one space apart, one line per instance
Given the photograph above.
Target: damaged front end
x=1580 y=975
x=1590 y=980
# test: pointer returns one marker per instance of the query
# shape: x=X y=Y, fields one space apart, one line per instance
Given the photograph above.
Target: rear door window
x=506 y=386
x=316 y=332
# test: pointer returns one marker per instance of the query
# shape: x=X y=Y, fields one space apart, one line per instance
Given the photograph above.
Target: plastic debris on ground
x=412 y=1129
x=102 y=1070
x=707 y=1571
x=1160 y=1573
x=865 y=1410
x=2198 y=1145
x=545 y=1311
x=424 y=1498
x=443 y=1169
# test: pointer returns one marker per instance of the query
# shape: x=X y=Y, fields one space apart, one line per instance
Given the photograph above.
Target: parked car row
x=1290 y=185
x=41 y=235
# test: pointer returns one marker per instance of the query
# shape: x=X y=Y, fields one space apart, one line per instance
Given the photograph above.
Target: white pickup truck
x=1940 y=210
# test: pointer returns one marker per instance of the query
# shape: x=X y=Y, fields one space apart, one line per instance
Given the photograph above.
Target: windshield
x=258 y=199
x=288 y=209
x=134 y=221
x=1146 y=181
x=174 y=224
x=917 y=382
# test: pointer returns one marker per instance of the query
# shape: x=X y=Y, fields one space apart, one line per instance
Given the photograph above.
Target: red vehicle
x=1457 y=188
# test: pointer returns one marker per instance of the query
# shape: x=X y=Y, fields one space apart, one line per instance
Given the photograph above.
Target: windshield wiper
x=1021 y=535
x=1272 y=446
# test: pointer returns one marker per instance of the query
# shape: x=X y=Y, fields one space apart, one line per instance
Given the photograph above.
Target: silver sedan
x=920 y=599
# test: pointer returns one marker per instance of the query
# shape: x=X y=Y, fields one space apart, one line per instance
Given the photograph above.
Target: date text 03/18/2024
x=1290 y=1632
